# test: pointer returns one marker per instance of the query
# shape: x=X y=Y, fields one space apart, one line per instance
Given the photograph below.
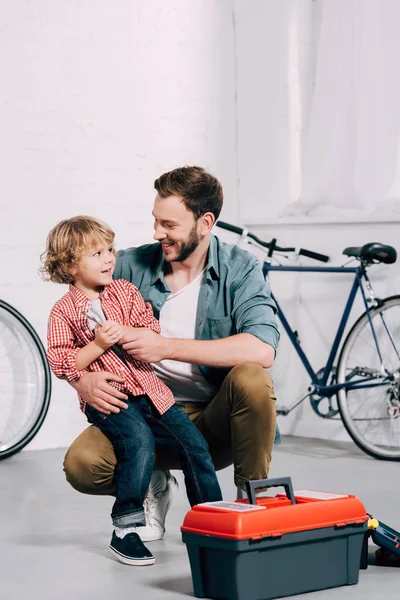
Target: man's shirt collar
x=158 y=270
x=212 y=261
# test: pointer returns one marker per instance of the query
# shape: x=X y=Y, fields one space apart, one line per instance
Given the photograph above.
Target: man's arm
x=237 y=349
x=253 y=314
x=227 y=352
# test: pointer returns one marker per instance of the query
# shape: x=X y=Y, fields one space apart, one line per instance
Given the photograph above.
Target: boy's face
x=95 y=267
x=176 y=228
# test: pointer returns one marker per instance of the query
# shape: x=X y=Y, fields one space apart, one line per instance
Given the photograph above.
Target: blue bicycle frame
x=321 y=386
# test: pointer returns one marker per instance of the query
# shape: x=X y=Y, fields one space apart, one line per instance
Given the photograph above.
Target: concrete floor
x=54 y=540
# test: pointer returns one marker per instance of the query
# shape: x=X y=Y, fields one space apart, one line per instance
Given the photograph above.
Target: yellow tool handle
x=373 y=523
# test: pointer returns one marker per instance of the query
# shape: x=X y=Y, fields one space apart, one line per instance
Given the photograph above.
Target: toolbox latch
x=354 y=523
x=259 y=537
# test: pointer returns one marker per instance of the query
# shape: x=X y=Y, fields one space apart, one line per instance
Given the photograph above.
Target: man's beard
x=188 y=247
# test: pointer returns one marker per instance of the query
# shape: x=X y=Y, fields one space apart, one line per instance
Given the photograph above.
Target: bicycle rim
x=25 y=381
x=372 y=415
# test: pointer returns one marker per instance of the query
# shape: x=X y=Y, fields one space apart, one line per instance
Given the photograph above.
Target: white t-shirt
x=97 y=312
x=178 y=320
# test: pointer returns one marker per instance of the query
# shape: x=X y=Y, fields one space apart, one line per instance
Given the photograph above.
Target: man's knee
x=90 y=462
x=252 y=384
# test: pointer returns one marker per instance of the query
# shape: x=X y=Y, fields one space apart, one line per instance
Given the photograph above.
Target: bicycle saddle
x=373 y=252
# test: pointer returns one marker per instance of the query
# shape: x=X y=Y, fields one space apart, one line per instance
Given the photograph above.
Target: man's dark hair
x=201 y=192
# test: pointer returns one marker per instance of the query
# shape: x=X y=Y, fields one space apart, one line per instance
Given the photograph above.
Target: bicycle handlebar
x=272 y=247
x=229 y=227
x=314 y=255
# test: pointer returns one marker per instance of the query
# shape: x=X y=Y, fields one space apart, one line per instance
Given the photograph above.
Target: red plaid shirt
x=68 y=331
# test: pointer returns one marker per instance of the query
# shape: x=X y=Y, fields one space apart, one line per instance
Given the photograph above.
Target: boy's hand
x=107 y=334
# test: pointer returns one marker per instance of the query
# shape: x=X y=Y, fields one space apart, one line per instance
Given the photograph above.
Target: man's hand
x=145 y=344
x=107 y=334
x=95 y=390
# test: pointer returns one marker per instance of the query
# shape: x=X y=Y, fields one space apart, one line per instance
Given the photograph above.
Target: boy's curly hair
x=65 y=244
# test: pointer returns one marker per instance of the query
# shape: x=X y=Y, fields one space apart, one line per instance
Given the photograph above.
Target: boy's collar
x=80 y=299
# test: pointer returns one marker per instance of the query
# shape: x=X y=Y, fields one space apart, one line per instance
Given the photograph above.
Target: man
x=218 y=334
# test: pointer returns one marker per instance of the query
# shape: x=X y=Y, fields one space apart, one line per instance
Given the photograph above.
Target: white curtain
x=349 y=157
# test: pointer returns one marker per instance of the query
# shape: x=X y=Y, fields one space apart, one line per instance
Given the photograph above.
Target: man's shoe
x=156 y=505
x=130 y=550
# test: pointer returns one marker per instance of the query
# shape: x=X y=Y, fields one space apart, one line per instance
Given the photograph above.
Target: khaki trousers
x=238 y=424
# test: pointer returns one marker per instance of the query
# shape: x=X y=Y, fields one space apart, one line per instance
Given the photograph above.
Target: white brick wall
x=98 y=98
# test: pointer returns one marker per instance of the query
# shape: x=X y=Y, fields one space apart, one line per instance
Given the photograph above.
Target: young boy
x=80 y=251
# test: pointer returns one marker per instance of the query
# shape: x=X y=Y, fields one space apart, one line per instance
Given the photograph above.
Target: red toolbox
x=275 y=546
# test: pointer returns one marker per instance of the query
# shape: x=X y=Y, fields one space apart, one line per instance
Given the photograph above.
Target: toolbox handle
x=285 y=482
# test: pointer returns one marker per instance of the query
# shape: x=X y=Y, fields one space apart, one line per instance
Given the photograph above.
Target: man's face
x=175 y=227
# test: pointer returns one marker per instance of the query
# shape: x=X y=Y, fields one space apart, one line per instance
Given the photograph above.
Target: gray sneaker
x=156 y=506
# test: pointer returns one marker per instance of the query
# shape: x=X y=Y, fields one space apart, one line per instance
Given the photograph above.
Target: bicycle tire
x=372 y=405
x=26 y=381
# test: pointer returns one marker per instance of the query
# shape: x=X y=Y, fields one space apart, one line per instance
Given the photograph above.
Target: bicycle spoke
x=372 y=415
x=25 y=389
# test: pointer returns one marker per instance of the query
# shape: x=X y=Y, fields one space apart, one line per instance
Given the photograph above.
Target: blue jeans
x=134 y=433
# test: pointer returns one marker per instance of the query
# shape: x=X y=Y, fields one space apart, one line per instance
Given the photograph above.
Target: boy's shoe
x=156 y=505
x=130 y=550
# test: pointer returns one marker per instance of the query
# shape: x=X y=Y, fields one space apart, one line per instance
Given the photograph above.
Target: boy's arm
x=62 y=349
x=105 y=336
x=141 y=313
x=88 y=354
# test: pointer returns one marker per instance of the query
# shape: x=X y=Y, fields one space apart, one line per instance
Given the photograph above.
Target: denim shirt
x=234 y=297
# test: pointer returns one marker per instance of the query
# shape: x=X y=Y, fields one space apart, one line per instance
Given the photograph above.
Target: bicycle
x=25 y=381
x=366 y=377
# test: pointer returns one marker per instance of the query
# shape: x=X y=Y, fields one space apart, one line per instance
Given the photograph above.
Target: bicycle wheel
x=372 y=415
x=25 y=381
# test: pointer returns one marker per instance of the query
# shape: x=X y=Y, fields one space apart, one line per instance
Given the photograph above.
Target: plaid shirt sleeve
x=62 y=349
x=141 y=313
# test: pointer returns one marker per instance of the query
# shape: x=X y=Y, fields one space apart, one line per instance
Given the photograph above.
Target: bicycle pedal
x=282 y=410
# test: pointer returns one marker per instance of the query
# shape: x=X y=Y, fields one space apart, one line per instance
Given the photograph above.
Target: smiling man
x=218 y=334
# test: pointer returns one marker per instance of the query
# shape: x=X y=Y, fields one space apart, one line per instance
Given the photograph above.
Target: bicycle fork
x=376 y=303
